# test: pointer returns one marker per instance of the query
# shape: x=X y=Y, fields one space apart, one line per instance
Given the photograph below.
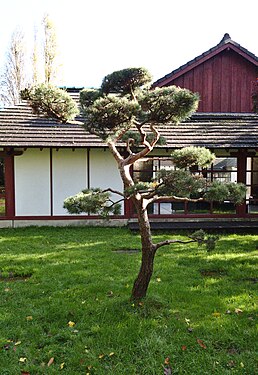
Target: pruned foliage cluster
x=181 y=183
x=125 y=100
x=51 y=102
x=92 y=201
x=229 y=191
x=119 y=115
x=125 y=81
x=168 y=104
x=192 y=156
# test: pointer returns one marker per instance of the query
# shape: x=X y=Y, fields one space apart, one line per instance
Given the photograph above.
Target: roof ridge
x=225 y=40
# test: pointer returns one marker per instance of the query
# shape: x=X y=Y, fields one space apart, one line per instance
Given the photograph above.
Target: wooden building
x=42 y=162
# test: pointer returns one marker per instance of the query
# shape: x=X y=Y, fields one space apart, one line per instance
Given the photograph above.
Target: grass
x=65 y=309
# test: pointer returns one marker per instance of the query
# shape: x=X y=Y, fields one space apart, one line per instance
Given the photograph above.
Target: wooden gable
x=224 y=77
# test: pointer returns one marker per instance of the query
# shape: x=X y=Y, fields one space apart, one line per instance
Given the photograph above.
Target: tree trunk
x=141 y=283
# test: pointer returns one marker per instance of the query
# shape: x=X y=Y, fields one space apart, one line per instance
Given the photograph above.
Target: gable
x=223 y=76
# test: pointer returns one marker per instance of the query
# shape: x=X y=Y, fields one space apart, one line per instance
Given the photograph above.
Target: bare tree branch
x=170 y=198
x=132 y=158
x=169 y=242
x=114 y=191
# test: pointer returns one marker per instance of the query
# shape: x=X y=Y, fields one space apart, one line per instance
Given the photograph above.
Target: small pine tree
x=123 y=103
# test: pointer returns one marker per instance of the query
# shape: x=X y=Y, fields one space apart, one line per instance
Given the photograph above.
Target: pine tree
x=126 y=111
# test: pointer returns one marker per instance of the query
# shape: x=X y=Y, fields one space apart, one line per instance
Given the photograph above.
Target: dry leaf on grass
x=50 y=362
x=201 y=343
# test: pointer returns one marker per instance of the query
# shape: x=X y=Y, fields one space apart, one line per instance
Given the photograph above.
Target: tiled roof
x=224 y=43
x=20 y=127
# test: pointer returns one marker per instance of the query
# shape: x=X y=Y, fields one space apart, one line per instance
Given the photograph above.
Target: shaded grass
x=76 y=276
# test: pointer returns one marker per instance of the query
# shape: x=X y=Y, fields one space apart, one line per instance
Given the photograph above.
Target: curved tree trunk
x=148 y=253
x=142 y=281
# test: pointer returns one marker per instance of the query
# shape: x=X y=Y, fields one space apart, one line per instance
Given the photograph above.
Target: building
x=42 y=162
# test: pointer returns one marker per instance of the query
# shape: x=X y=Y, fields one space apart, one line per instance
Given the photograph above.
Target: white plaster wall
x=32 y=183
x=69 y=170
x=104 y=172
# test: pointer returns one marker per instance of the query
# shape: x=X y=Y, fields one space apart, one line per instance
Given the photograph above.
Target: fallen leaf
x=241 y=364
x=158 y=279
x=187 y=321
x=23 y=359
x=50 y=362
x=238 y=311
x=17 y=343
x=216 y=314
x=183 y=347
x=111 y=354
x=228 y=312
x=101 y=356
x=62 y=366
x=29 y=317
x=7 y=289
x=110 y=294
x=231 y=364
x=167 y=361
x=71 y=324
x=201 y=343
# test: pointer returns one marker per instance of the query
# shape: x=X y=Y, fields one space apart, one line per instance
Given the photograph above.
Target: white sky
x=96 y=37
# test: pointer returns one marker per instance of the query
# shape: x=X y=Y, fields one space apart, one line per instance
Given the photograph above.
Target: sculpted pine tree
x=125 y=111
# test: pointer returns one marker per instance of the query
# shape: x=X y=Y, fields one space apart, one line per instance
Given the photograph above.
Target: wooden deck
x=232 y=225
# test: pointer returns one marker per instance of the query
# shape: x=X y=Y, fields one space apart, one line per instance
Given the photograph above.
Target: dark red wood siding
x=224 y=83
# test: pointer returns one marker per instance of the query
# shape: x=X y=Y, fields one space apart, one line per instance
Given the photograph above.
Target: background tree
x=50 y=50
x=125 y=111
x=14 y=77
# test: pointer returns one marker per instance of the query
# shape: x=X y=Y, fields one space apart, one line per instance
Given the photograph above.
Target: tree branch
x=114 y=151
x=130 y=141
x=114 y=203
x=169 y=242
x=169 y=198
x=114 y=191
x=132 y=158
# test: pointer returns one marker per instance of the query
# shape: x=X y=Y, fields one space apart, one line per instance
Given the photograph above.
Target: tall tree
x=35 y=62
x=125 y=111
x=50 y=50
x=13 y=79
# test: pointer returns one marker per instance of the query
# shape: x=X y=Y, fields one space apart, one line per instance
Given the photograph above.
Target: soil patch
x=213 y=273
x=12 y=276
x=126 y=250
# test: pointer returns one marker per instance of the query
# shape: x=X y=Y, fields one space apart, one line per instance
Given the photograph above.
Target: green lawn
x=65 y=309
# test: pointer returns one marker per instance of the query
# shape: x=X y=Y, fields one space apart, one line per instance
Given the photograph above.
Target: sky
x=97 y=37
